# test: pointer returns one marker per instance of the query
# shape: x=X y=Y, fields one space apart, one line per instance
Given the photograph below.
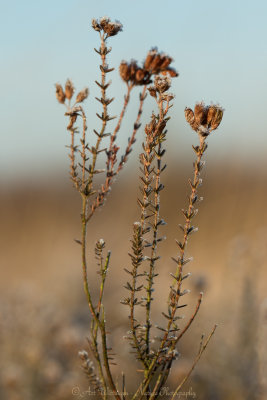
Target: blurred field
x=43 y=311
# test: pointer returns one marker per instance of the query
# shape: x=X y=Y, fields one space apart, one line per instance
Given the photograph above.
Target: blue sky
x=219 y=49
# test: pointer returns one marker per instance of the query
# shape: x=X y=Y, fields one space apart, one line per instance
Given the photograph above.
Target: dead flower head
x=162 y=84
x=204 y=119
x=132 y=73
x=104 y=24
x=159 y=63
x=155 y=63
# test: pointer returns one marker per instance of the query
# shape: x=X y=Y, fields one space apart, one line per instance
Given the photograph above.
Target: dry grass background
x=43 y=312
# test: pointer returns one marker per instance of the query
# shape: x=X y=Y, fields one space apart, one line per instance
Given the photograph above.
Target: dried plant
x=155 y=77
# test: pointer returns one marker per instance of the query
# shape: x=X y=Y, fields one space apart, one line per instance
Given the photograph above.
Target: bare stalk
x=135 y=129
x=202 y=349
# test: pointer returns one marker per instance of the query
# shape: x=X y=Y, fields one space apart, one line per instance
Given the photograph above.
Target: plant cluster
x=156 y=354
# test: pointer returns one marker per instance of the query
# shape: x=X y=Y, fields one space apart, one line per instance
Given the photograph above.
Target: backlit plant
x=156 y=357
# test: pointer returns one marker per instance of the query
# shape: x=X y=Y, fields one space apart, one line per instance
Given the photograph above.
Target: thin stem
x=160 y=381
x=153 y=257
x=83 y=152
x=135 y=129
x=100 y=324
x=98 y=202
x=202 y=349
x=189 y=214
x=73 y=167
x=178 y=278
x=165 y=373
x=125 y=104
x=190 y=321
x=104 y=116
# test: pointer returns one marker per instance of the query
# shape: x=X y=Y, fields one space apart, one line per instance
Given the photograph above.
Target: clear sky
x=219 y=48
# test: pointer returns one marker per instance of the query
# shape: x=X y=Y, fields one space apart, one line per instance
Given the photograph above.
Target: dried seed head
x=82 y=95
x=204 y=119
x=69 y=89
x=105 y=25
x=162 y=84
x=60 y=93
x=158 y=63
x=133 y=73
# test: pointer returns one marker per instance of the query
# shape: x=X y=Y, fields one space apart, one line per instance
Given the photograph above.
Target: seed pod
x=95 y=25
x=60 y=93
x=152 y=91
x=139 y=75
x=155 y=64
x=216 y=119
x=69 y=89
x=201 y=113
x=82 y=95
x=149 y=58
x=133 y=69
x=165 y=62
x=125 y=71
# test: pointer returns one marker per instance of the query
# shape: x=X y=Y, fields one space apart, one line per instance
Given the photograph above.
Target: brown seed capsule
x=139 y=75
x=201 y=113
x=82 y=95
x=152 y=91
x=189 y=116
x=125 y=71
x=133 y=69
x=155 y=64
x=149 y=58
x=95 y=25
x=60 y=93
x=165 y=62
x=216 y=119
x=171 y=72
x=69 y=89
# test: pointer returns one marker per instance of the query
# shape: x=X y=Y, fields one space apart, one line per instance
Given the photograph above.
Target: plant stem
x=202 y=349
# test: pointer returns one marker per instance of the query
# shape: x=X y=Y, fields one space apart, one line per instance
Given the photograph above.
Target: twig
x=202 y=349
